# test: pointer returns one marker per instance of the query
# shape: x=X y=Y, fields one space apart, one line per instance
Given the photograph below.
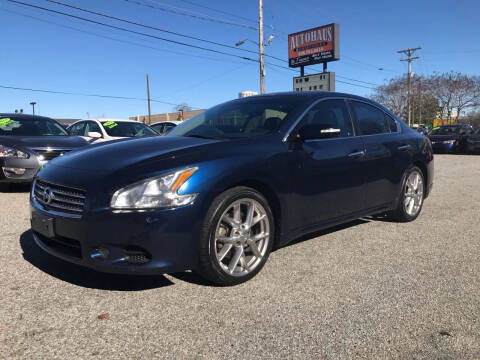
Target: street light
x=269 y=41
x=33 y=103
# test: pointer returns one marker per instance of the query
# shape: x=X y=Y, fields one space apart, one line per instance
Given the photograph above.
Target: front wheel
x=411 y=198
x=237 y=237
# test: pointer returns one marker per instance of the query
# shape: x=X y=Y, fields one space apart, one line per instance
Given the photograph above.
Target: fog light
x=16 y=171
x=100 y=253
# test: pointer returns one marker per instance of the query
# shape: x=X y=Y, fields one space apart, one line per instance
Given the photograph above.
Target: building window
x=315 y=87
x=306 y=79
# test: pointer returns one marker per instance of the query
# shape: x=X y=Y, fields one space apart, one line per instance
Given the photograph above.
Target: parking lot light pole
x=33 y=103
x=148 y=99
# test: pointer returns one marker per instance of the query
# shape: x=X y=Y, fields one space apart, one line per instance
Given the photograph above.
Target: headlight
x=449 y=142
x=8 y=152
x=156 y=192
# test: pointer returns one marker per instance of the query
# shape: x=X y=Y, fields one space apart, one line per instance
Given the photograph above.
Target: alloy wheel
x=241 y=237
x=413 y=193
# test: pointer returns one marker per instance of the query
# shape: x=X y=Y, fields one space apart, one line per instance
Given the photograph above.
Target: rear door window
x=371 y=120
x=391 y=123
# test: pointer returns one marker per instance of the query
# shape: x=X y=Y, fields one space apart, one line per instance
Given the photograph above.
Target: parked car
x=420 y=129
x=165 y=126
x=450 y=138
x=220 y=190
x=473 y=142
x=27 y=142
x=99 y=130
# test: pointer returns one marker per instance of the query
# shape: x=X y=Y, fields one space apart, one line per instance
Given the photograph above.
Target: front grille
x=59 y=197
x=46 y=154
x=137 y=256
x=64 y=245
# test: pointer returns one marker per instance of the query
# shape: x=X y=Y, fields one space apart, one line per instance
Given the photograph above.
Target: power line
x=151 y=36
x=123 y=41
x=219 y=11
x=193 y=15
x=83 y=94
x=133 y=31
x=150 y=27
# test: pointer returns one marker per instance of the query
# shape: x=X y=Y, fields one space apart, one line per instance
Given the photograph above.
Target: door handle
x=356 y=154
x=404 y=147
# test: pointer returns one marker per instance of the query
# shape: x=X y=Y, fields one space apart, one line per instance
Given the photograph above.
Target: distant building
x=156 y=118
x=246 y=93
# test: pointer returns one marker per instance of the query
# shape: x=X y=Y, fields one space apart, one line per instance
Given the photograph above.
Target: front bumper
x=30 y=166
x=441 y=147
x=166 y=238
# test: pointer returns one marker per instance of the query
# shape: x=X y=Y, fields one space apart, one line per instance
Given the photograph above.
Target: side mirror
x=310 y=132
x=94 y=134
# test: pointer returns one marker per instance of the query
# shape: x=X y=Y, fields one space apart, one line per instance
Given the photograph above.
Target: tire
x=411 y=200
x=232 y=252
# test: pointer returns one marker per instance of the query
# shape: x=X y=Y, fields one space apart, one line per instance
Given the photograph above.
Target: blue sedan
x=222 y=189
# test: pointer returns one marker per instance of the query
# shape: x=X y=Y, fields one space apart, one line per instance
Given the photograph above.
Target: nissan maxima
x=28 y=142
x=222 y=189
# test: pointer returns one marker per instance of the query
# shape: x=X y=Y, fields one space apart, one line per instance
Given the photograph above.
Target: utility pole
x=409 y=52
x=148 y=98
x=33 y=103
x=260 y=46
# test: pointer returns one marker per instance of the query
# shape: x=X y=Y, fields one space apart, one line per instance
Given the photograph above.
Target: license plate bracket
x=44 y=225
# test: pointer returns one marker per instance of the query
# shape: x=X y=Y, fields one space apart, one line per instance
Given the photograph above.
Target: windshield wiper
x=204 y=137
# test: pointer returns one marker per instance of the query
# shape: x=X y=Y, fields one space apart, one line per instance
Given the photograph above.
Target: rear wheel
x=237 y=237
x=411 y=198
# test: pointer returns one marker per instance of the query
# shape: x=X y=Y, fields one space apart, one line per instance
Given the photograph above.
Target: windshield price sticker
x=110 y=124
x=8 y=124
x=5 y=121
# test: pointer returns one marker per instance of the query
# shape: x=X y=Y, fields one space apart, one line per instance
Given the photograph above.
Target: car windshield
x=32 y=126
x=239 y=118
x=446 y=130
x=127 y=129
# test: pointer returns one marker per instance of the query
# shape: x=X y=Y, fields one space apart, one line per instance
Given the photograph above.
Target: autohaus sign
x=313 y=46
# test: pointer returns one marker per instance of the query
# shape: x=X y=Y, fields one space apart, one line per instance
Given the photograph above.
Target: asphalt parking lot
x=370 y=289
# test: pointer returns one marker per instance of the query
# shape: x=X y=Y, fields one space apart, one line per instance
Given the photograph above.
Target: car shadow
x=15 y=188
x=88 y=278
x=85 y=277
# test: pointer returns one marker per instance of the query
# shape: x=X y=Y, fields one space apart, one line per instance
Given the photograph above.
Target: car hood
x=31 y=142
x=121 y=154
x=444 y=137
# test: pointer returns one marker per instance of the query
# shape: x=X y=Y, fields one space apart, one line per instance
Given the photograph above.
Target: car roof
x=110 y=119
x=168 y=122
x=315 y=95
x=24 y=116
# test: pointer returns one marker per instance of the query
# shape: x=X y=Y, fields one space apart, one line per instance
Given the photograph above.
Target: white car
x=165 y=126
x=103 y=129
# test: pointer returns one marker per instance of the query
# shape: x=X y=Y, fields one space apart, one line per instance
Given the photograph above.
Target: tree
x=454 y=92
x=441 y=96
x=182 y=107
x=394 y=96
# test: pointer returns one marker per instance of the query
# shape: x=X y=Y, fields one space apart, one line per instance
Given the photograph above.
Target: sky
x=48 y=51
